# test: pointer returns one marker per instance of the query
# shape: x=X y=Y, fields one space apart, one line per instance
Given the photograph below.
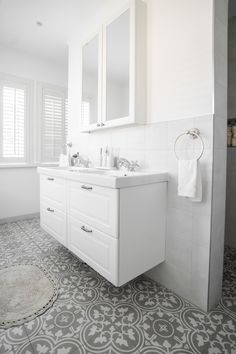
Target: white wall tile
x=156 y=160
x=199 y=276
x=201 y=229
x=178 y=249
x=156 y=136
x=179 y=223
x=179 y=280
x=205 y=125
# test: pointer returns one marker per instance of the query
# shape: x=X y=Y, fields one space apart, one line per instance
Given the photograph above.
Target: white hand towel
x=189 y=180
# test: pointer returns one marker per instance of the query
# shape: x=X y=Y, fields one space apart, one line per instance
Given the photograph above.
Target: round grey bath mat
x=26 y=291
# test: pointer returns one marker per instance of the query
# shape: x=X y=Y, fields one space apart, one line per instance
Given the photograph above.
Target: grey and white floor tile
x=91 y=316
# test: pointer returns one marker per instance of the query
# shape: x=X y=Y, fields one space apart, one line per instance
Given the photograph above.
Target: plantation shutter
x=13 y=121
x=53 y=135
x=86 y=112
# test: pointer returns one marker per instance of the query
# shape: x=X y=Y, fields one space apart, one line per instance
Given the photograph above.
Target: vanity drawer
x=53 y=188
x=53 y=221
x=97 y=249
x=94 y=205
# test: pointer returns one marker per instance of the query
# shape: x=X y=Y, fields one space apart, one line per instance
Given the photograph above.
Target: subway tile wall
x=186 y=269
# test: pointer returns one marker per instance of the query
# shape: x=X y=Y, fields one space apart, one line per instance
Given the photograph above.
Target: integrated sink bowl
x=112 y=173
x=85 y=170
x=106 y=178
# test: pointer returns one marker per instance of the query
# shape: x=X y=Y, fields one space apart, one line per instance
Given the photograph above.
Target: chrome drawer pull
x=50 y=179
x=85 y=229
x=51 y=210
x=86 y=187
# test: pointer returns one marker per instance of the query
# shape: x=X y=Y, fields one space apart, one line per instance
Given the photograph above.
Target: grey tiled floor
x=91 y=316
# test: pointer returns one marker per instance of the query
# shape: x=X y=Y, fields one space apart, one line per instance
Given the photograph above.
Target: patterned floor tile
x=92 y=316
x=12 y=339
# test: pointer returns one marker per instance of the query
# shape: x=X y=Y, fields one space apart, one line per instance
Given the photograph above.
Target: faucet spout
x=129 y=165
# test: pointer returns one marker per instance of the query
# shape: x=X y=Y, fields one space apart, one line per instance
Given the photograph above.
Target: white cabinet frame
x=137 y=69
x=94 y=126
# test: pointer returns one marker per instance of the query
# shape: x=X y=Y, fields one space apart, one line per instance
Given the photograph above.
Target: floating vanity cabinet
x=114 y=224
x=114 y=71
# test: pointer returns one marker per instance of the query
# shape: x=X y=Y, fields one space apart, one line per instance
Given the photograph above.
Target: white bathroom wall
x=179 y=37
x=180 y=96
x=20 y=64
x=19 y=192
x=19 y=187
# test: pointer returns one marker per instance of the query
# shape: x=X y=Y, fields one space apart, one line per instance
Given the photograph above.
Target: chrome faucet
x=78 y=160
x=129 y=165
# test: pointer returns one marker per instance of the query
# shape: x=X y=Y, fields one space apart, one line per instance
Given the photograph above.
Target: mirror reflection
x=117 y=68
x=90 y=82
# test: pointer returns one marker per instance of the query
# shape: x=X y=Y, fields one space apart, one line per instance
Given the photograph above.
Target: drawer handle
x=51 y=210
x=85 y=229
x=50 y=179
x=86 y=187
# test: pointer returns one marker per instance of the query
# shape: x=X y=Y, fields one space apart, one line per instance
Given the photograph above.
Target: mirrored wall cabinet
x=114 y=71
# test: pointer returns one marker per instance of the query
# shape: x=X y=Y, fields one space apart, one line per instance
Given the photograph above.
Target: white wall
x=180 y=96
x=179 y=41
x=19 y=187
x=19 y=192
x=20 y=64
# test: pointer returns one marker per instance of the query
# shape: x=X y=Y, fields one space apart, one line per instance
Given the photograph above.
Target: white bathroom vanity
x=113 y=220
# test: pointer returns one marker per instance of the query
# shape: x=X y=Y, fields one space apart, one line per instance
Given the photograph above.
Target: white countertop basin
x=106 y=178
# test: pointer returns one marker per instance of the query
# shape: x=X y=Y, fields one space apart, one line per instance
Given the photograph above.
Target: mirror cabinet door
x=90 y=82
x=117 y=60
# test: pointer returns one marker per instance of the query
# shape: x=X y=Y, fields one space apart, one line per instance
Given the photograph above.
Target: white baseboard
x=19 y=217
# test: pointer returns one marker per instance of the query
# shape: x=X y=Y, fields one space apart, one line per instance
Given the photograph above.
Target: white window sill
x=26 y=165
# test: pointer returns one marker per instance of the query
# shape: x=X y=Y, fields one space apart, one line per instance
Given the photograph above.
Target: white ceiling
x=60 y=18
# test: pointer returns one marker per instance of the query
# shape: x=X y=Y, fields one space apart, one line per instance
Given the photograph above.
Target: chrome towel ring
x=193 y=133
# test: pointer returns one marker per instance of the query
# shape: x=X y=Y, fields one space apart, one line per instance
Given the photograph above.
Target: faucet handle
x=133 y=165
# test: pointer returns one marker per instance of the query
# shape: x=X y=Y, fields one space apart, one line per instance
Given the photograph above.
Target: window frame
x=27 y=85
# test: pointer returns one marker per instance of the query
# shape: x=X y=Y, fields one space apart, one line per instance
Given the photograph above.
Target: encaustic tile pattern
x=92 y=316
